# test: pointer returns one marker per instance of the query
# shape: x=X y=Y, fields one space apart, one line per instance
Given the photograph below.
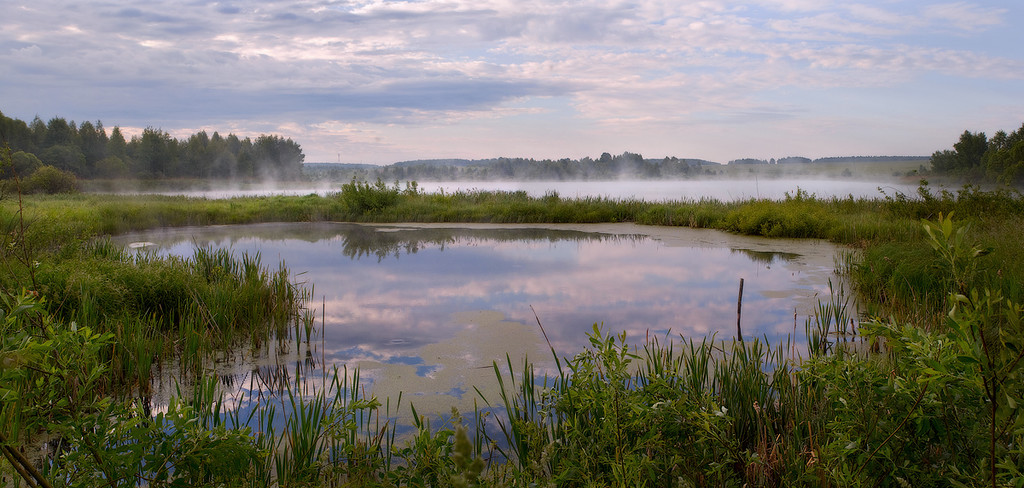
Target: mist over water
x=726 y=190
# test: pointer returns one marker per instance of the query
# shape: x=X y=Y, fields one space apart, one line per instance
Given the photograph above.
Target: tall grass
x=748 y=413
x=162 y=308
x=914 y=399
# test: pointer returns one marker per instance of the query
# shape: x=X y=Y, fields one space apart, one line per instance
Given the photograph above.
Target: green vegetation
x=976 y=157
x=930 y=395
x=895 y=269
x=623 y=166
x=155 y=159
x=87 y=151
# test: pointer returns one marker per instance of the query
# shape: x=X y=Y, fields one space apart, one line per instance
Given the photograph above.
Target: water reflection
x=427 y=309
x=767 y=257
x=383 y=242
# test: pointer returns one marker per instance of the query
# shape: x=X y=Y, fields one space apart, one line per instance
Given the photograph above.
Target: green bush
x=50 y=180
x=361 y=197
x=23 y=165
x=780 y=219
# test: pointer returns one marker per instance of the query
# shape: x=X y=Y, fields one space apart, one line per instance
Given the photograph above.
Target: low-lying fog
x=648 y=190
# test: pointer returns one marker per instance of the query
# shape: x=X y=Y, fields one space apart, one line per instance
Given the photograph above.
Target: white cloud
x=371 y=64
x=798 y=5
x=965 y=16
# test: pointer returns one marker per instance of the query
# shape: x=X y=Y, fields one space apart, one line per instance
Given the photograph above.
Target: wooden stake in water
x=739 y=311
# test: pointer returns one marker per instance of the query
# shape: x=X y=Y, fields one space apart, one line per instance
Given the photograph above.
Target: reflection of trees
x=367 y=241
x=364 y=241
x=766 y=257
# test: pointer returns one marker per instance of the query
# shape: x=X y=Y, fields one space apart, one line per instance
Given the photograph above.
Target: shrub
x=792 y=218
x=50 y=180
x=23 y=164
x=361 y=197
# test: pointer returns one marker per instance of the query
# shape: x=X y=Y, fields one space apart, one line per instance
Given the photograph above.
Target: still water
x=426 y=309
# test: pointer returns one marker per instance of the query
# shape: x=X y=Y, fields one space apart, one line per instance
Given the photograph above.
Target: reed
x=904 y=398
x=163 y=308
x=886 y=227
x=746 y=412
x=703 y=412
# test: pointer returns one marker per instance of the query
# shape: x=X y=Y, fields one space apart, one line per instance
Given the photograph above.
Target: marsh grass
x=748 y=413
x=881 y=403
x=911 y=398
x=895 y=273
x=162 y=308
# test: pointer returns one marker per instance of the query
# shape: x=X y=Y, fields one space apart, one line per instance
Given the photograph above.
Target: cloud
x=632 y=65
x=965 y=16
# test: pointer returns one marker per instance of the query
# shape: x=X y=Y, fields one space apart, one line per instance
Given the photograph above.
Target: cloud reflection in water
x=390 y=292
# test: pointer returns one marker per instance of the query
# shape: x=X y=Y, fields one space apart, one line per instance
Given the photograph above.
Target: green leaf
x=8 y=395
x=967 y=359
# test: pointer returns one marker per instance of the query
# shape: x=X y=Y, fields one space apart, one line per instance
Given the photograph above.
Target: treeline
x=828 y=160
x=86 y=150
x=606 y=167
x=625 y=165
x=977 y=157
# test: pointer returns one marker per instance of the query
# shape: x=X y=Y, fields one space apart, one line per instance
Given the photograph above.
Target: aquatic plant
x=927 y=391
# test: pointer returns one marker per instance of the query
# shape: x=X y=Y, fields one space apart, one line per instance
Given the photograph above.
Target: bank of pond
x=426 y=341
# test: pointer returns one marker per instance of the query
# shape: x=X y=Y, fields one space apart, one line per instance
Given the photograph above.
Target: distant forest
x=66 y=150
x=976 y=157
x=602 y=168
x=606 y=167
x=87 y=151
x=829 y=160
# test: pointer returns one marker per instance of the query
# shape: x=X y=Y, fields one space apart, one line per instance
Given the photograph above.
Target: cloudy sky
x=378 y=81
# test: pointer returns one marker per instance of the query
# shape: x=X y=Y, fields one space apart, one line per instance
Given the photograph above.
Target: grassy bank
x=928 y=397
x=895 y=270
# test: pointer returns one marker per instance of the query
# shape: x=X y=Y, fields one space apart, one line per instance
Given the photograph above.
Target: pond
x=425 y=309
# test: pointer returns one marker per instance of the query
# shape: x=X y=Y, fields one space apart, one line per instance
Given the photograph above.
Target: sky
x=380 y=81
